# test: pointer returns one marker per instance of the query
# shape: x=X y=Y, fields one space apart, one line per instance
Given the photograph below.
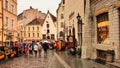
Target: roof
x=36 y=21
x=53 y=17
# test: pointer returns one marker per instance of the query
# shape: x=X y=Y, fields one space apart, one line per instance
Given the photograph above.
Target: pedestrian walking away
x=32 y=46
x=35 y=49
x=45 y=48
x=30 y=49
x=39 y=48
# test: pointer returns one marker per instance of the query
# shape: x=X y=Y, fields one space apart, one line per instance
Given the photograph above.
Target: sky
x=42 y=5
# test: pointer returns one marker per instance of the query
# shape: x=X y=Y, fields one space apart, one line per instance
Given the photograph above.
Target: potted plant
x=79 y=51
x=110 y=55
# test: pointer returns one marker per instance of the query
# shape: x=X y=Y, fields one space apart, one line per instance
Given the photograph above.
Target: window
x=62 y=16
x=24 y=28
x=7 y=19
x=102 y=28
x=28 y=28
x=48 y=31
x=63 y=1
x=47 y=25
x=12 y=23
x=46 y=21
x=61 y=34
x=52 y=36
x=37 y=34
x=33 y=28
x=18 y=35
x=6 y=4
x=28 y=34
x=12 y=6
x=24 y=34
x=62 y=8
x=37 y=28
x=102 y=17
x=44 y=36
x=33 y=34
x=62 y=25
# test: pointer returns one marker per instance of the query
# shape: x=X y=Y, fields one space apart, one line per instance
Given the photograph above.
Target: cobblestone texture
x=33 y=62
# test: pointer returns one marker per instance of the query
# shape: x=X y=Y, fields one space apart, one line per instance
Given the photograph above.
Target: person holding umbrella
x=45 y=48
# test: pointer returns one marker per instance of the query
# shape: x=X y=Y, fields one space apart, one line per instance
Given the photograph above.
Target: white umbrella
x=46 y=41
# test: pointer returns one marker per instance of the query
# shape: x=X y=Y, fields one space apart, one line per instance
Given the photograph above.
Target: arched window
x=61 y=34
x=48 y=25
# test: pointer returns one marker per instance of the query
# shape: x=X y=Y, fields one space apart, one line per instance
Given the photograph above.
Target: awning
x=105 y=23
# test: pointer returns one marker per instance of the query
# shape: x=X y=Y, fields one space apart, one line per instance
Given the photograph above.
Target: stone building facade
x=71 y=10
x=61 y=27
x=102 y=28
x=8 y=20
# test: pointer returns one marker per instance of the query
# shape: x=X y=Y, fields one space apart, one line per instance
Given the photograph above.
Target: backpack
x=39 y=47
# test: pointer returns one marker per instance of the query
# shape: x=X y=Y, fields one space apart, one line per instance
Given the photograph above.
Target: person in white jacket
x=35 y=49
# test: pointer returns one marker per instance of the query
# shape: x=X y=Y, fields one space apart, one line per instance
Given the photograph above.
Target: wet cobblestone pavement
x=33 y=62
x=75 y=62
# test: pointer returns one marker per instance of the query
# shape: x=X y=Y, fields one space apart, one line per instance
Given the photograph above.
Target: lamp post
x=2 y=21
x=79 y=19
x=73 y=30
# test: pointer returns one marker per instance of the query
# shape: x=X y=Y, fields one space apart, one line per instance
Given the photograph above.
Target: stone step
x=117 y=61
x=114 y=64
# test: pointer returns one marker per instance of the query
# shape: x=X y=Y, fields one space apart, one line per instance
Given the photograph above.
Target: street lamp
x=79 y=19
x=2 y=21
x=73 y=30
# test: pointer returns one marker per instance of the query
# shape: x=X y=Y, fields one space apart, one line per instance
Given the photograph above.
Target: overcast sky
x=43 y=5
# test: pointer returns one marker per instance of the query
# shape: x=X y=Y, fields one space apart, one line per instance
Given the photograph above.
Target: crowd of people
x=35 y=48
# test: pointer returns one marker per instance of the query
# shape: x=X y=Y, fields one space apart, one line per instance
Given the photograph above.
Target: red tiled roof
x=53 y=17
x=36 y=21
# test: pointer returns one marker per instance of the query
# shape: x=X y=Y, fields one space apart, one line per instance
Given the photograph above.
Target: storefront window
x=102 y=28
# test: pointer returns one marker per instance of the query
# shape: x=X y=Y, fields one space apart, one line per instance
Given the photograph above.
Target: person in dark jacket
x=45 y=48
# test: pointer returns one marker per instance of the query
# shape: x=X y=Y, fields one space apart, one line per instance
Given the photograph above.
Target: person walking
x=45 y=48
x=30 y=49
x=26 y=49
x=35 y=49
x=32 y=46
x=39 y=48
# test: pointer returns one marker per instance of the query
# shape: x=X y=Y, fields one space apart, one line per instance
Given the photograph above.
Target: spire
x=48 y=11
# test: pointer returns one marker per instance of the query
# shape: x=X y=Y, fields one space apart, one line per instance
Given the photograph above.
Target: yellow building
x=9 y=20
x=33 y=31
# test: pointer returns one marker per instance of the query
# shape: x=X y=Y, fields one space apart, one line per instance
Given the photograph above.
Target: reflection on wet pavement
x=32 y=62
x=76 y=62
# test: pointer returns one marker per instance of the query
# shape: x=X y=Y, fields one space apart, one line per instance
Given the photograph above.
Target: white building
x=49 y=29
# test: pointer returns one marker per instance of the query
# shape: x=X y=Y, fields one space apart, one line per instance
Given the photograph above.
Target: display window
x=102 y=28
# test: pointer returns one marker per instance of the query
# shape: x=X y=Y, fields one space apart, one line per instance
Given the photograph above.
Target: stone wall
x=101 y=6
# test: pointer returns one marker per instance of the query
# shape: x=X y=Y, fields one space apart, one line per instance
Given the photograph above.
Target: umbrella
x=46 y=41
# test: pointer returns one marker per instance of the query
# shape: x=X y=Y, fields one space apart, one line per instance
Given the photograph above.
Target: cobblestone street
x=33 y=62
